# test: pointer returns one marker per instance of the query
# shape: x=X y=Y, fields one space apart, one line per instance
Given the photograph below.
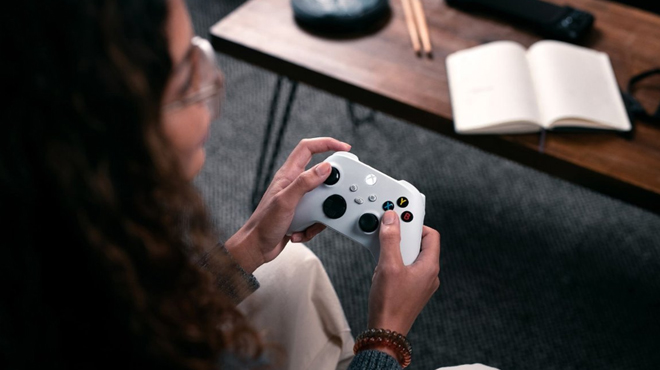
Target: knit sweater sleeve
x=229 y=275
x=372 y=360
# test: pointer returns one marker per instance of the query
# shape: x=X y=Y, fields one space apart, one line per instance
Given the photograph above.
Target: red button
x=407 y=216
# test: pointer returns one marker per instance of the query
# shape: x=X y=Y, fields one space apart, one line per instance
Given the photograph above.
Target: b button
x=406 y=216
x=402 y=202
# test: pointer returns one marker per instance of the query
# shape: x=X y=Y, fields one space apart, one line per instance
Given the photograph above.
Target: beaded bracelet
x=374 y=338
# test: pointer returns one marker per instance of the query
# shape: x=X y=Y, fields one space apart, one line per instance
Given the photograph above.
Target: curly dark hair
x=102 y=230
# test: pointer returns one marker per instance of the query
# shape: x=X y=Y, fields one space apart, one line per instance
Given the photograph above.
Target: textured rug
x=536 y=273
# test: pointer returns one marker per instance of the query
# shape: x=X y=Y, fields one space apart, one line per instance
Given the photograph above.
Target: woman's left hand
x=263 y=236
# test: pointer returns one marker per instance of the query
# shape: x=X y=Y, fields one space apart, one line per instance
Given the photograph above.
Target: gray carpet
x=536 y=273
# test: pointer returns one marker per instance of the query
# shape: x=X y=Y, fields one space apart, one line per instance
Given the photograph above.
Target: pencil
x=412 y=29
x=421 y=23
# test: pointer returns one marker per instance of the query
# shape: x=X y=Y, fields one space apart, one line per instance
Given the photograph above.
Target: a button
x=353 y=188
x=370 y=179
x=406 y=216
x=368 y=222
x=388 y=206
x=372 y=198
x=333 y=178
x=402 y=202
x=359 y=200
x=334 y=206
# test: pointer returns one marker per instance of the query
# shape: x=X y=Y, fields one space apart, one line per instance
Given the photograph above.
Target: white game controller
x=354 y=198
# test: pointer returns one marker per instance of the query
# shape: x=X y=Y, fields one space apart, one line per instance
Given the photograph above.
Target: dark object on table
x=634 y=108
x=550 y=20
x=649 y=6
x=340 y=16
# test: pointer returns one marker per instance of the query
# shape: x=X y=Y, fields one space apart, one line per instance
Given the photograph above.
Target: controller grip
x=304 y=216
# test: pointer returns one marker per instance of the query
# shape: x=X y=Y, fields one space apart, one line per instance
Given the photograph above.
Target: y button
x=402 y=202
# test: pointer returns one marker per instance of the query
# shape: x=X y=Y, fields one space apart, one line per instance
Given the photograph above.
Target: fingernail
x=389 y=218
x=323 y=169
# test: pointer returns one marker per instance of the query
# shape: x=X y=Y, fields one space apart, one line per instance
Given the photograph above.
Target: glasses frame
x=208 y=93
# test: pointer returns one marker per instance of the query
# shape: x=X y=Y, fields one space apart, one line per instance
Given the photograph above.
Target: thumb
x=390 y=240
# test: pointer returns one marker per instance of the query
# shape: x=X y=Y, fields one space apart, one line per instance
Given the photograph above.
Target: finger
x=390 y=240
x=303 y=183
x=308 y=234
x=313 y=231
x=303 y=152
x=430 y=253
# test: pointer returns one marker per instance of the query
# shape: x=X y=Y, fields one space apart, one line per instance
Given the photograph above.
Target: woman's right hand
x=398 y=292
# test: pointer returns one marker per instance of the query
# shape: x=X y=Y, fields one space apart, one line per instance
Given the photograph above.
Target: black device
x=346 y=16
x=549 y=20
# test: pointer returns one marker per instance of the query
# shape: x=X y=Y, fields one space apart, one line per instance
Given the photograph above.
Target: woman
x=111 y=260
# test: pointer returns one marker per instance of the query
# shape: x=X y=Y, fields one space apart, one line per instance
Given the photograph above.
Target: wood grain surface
x=379 y=69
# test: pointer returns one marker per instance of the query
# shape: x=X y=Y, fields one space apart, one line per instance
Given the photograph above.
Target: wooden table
x=380 y=71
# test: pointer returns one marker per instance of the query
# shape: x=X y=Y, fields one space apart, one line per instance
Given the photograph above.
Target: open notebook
x=502 y=88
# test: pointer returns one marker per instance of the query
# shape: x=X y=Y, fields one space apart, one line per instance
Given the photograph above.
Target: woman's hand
x=398 y=293
x=263 y=238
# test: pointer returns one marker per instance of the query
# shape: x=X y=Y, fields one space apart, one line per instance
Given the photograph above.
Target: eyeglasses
x=210 y=91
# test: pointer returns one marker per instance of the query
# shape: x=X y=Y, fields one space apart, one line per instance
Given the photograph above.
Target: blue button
x=388 y=206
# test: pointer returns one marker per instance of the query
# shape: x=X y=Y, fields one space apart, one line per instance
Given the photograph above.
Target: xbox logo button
x=371 y=179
